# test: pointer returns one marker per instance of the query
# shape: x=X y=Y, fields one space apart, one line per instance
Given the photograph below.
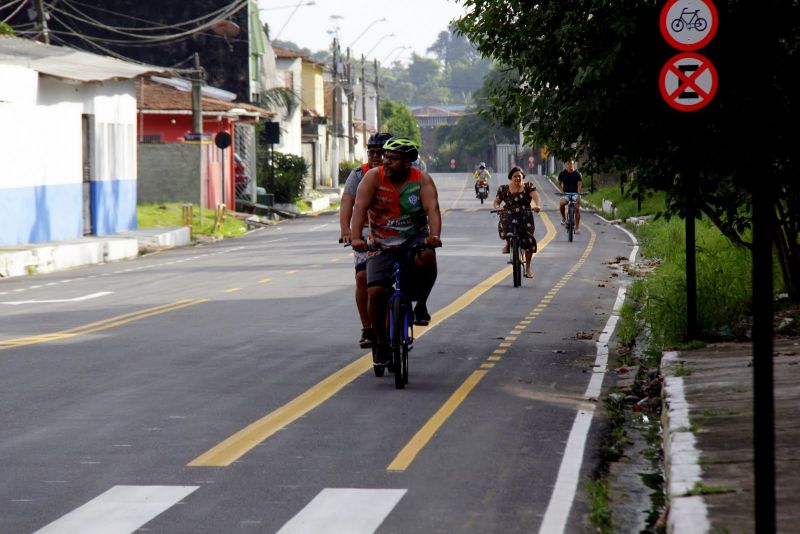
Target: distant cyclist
x=402 y=205
x=374 y=159
x=569 y=181
x=481 y=174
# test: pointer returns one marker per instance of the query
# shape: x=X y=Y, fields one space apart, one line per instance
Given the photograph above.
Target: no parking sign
x=688 y=81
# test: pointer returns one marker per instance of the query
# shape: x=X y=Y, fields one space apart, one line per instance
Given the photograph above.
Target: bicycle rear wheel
x=399 y=347
x=516 y=261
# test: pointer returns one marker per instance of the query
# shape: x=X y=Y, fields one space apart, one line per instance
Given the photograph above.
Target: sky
x=415 y=24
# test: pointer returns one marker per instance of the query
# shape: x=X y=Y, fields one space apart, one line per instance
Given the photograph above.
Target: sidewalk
x=708 y=437
x=19 y=260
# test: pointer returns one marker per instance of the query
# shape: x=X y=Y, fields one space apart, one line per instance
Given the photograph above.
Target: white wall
x=291 y=127
x=41 y=144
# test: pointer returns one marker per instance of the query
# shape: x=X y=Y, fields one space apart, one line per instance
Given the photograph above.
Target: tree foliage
x=451 y=78
x=582 y=78
x=397 y=119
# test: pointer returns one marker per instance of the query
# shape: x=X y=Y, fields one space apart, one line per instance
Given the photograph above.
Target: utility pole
x=334 y=118
x=364 y=99
x=377 y=97
x=197 y=101
x=351 y=128
x=40 y=13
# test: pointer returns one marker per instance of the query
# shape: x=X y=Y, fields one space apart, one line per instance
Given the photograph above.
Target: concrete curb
x=50 y=257
x=688 y=514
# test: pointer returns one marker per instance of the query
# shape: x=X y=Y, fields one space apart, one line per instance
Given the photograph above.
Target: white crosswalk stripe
x=122 y=509
x=344 y=511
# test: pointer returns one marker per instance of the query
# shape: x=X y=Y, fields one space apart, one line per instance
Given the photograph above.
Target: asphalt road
x=220 y=388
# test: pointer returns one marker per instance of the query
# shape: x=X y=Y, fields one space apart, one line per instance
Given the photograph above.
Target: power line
x=210 y=19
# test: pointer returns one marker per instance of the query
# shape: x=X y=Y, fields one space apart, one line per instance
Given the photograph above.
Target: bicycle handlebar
x=504 y=210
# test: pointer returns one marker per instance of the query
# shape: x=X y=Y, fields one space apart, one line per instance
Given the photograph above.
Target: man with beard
x=402 y=205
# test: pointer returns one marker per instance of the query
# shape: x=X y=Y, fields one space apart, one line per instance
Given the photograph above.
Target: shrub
x=290 y=172
x=344 y=170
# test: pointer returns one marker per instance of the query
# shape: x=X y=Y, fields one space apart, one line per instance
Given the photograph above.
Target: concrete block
x=120 y=249
x=16 y=263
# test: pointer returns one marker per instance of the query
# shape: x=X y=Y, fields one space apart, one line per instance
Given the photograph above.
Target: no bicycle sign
x=688 y=81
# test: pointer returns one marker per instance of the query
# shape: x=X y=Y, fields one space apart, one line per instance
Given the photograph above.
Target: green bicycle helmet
x=403 y=145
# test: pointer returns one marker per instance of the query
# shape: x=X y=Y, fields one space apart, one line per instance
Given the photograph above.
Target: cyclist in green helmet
x=401 y=203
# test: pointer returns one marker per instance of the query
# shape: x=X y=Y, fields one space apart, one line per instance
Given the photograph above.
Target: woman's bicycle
x=516 y=256
x=572 y=198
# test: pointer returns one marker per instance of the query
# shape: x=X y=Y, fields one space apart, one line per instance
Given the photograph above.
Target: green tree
x=6 y=29
x=397 y=119
x=452 y=47
x=588 y=86
x=423 y=70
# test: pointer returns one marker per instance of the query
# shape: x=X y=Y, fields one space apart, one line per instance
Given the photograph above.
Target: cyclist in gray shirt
x=374 y=159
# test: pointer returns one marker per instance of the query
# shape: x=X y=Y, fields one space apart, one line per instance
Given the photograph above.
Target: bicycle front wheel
x=571 y=222
x=399 y=345
x=516 y=261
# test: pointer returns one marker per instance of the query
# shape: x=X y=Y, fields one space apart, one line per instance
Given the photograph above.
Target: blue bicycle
x=399 y=312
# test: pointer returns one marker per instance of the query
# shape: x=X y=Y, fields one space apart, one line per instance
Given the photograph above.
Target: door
x=86 y=136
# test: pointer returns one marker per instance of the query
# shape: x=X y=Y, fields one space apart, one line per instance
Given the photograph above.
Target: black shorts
x=380 y=267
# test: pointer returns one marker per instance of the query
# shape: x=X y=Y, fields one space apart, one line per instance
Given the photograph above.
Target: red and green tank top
x=397 y=215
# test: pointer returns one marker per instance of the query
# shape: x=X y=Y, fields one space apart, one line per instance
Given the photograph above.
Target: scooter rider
x=481 y=175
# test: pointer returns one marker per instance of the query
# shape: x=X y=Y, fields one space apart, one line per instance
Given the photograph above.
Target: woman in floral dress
x=515 y=197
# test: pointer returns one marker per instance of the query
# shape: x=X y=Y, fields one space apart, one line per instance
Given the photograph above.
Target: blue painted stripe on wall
x=43 y=213
x=113 y=206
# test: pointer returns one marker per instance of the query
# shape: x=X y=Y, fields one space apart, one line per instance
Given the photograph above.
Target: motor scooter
x=482 y=188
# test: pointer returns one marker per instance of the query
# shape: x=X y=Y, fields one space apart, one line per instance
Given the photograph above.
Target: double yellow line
x=238 y=444
x=97 y=326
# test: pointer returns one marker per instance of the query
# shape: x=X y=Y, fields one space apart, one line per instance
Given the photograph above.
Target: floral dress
x=515 y=202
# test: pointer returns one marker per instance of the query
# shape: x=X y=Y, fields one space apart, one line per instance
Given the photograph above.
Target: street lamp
x=390 y=54
x=368 y=27
x=379 y=42
x=300 y=3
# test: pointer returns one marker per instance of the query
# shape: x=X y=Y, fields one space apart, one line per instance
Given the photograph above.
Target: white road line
x=557 y=513
x=318 y=227
x=76 y=299
x=344 y=511
x=122 y=509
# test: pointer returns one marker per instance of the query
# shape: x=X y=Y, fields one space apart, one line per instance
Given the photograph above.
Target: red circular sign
x=688 y=81
x=689 y=24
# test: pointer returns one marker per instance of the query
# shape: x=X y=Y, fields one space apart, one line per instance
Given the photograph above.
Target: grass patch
x=600 y=513
x=626 y=203
x=724 y=283
x=682 y=370
x=702 y=489
x=170 y=214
